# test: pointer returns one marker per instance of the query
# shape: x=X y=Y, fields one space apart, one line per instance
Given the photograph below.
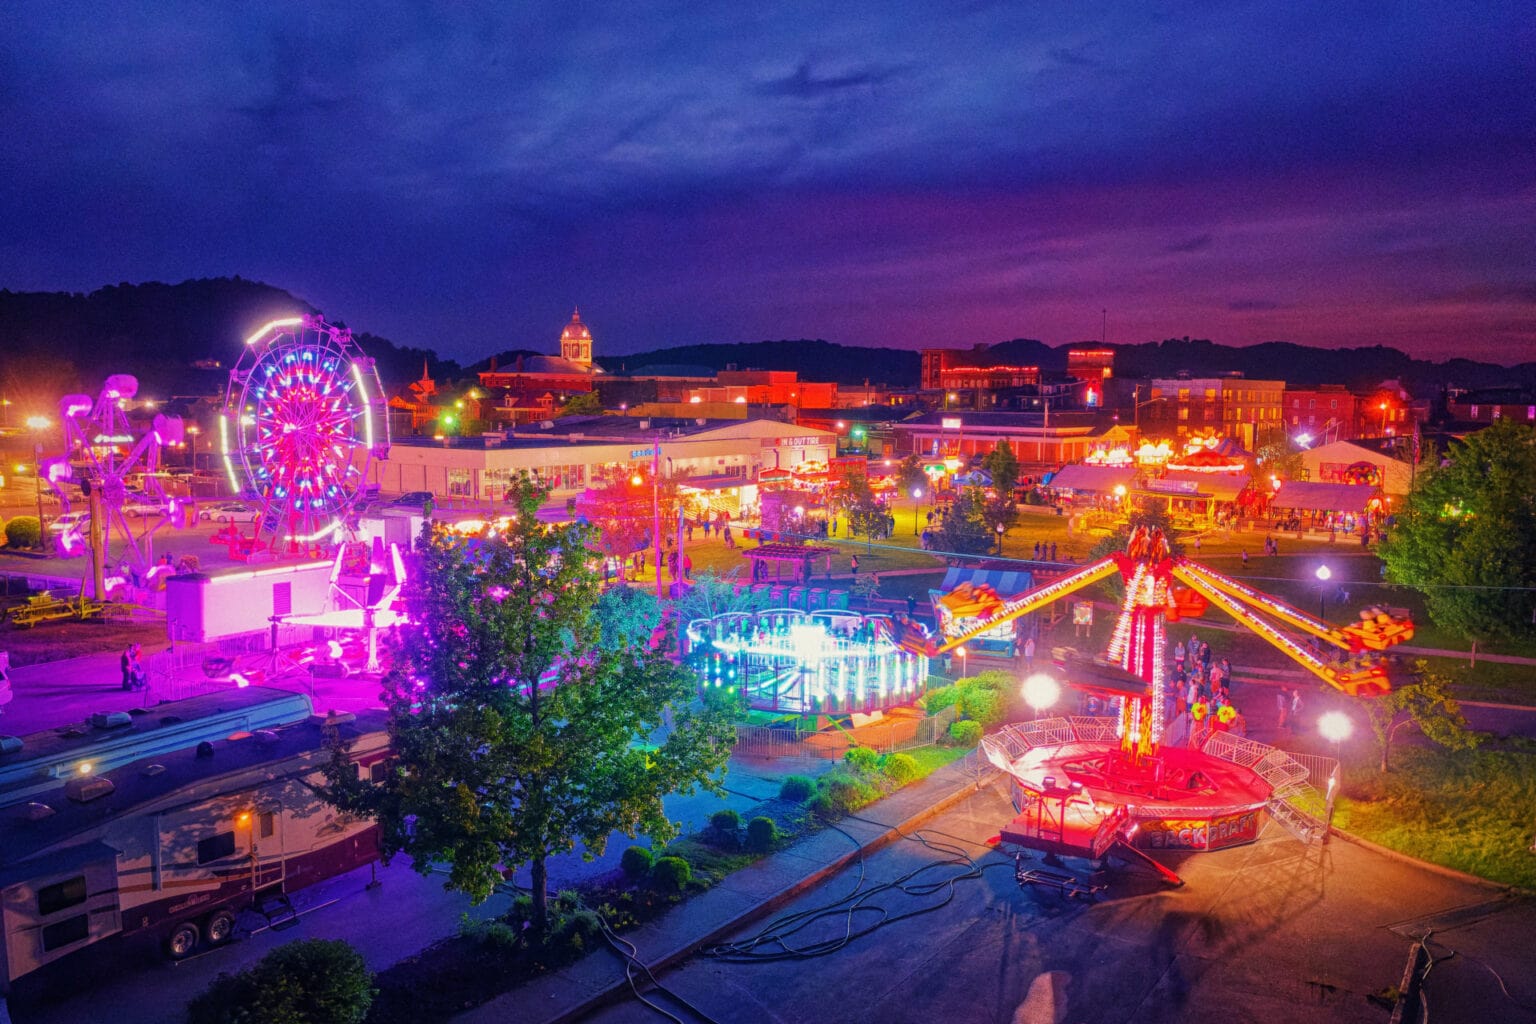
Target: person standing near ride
x=1283 y=707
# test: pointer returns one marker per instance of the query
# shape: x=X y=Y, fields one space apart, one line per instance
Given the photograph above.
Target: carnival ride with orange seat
x=1088 y=785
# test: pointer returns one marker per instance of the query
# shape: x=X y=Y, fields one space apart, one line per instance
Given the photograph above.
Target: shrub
x=726 y=822
x=313 y=981
x=848 y=791
x=762 y=833
x=965 y=734
x=900 y=768
x=23 y=532
x=496 y=933
x=671 y=874
x=637 y=861
x=580 y=931
x=824 y=807
x=862 y=759
x=983 y=705
x=941 y=698
x=797 y=788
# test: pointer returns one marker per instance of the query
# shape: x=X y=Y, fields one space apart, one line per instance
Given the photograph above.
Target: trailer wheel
x=220 y=927
x=182 y=941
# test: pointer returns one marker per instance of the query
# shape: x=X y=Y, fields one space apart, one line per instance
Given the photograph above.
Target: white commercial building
x=569 y=453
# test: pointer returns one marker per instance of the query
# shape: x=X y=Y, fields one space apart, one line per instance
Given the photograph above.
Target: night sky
x=458 y=175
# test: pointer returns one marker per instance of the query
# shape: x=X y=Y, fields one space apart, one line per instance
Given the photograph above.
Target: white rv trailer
x=171 y=822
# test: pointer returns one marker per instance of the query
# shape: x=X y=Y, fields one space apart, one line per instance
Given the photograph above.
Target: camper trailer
x=171 y=822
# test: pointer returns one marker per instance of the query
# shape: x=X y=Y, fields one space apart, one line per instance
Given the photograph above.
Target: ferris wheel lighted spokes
x=303 y=418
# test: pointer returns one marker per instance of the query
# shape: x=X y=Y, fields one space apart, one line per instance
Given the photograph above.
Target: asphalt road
x=1271 y=932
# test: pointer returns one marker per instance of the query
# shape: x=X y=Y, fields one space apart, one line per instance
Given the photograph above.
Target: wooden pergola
x=799 y=555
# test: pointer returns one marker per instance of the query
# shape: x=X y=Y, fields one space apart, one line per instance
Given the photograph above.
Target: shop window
x=61 y=895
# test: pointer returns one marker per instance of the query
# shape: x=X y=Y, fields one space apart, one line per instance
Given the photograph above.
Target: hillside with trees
x=181 y=338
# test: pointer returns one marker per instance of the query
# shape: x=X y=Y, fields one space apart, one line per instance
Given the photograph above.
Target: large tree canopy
x=1466 y=537
x=517 y=733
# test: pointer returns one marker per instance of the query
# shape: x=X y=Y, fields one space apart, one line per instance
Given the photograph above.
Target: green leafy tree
x=966 y=528
x=856 y=500
x=1003 y=466
x=1154 y=518
x=626 y=615
x=621 y=505
x=1281 y=457
x=715 y=593
x=588 y=404
x=516 y=733
x=1466 y=536
x=910 y=476
x=312 y=981
x=1427 y=703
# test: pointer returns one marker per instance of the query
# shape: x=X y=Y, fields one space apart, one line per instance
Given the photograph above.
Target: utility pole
x=661 y=587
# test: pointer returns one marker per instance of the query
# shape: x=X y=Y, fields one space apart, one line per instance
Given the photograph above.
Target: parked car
x=412 y=499
x=142 y=505
x=230 y=512
x=70 y=521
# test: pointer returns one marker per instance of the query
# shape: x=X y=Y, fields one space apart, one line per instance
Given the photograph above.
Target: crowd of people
x=1202 y=704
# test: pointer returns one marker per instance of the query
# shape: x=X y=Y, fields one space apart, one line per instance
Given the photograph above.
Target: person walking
x=853 y=564
x=1295 y=707
x=1029 y=654
x=1053 y=551
x=1245 y=558
x=1283 y=708
x=911 y=605
x=137 y=677
x=125 y=662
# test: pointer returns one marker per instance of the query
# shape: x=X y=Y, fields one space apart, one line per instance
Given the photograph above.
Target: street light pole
x=917 y=497
x=1324 y=574
x=38 y=425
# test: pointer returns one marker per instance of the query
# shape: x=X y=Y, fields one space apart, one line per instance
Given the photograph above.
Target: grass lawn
x=931 y=759
x=1472 y=810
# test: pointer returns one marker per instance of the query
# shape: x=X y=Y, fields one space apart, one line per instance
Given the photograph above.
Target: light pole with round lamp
x=1000 y=529
x=38 y=425
x=1040 y=691
x=917 y=497
x=961 y=651
x=1335 y=726
x=1324 y=574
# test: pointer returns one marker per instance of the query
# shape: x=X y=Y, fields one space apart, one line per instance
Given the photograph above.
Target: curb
x=1439 y=869
x=621 y=986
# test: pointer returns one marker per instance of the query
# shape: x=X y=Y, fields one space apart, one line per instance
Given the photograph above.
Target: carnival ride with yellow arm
x=1084 y=786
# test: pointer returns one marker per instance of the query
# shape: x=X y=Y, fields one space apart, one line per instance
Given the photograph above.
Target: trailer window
x=265 y=825
x=378 y=772
x=62 y=933
x=53 y=898
x=215 y=847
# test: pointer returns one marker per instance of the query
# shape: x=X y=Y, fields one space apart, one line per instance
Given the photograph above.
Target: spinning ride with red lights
x=1085 y=785
x=103 y=453
x=304 y=416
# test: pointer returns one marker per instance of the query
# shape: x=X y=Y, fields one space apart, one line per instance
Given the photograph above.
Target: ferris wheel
x=303 y=418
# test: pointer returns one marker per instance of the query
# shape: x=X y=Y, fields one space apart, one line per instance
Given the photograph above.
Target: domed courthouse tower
x=576 y=341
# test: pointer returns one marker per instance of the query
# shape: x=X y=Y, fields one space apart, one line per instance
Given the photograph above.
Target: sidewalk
x=745 y=896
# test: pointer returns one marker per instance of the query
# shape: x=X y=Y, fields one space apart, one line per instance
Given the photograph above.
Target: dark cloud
x=1520 y=294
x=804 y=83
x=1195 y=244
x=459 y=176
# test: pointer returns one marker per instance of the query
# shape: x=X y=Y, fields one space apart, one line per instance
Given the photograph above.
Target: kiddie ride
x=1088 y=787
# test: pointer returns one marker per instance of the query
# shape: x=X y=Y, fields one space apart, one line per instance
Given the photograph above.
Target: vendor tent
x=1306 y=496
x=1221 y=486
x=1081 y=478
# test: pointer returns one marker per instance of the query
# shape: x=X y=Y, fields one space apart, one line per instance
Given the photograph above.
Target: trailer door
x=268 y=863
